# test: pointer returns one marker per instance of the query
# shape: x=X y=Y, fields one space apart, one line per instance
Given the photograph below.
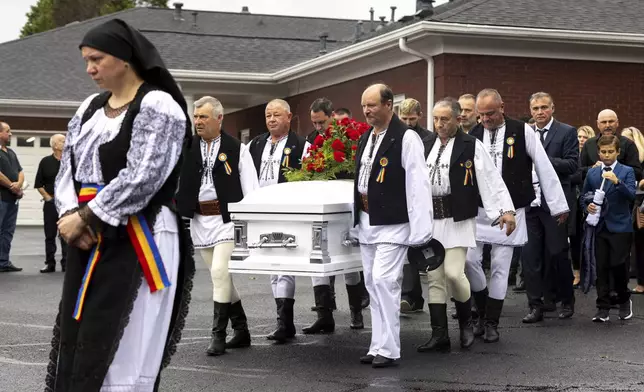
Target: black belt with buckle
x=442 y=207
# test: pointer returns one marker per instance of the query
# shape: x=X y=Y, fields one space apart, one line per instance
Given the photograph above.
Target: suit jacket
x=562 y=147
x=620 y=197
x=628 y=155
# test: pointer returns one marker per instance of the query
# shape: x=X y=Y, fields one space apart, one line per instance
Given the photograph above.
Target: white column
x=190 y=100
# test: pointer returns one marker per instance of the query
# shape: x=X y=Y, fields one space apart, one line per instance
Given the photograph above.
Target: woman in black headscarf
x=130 y=268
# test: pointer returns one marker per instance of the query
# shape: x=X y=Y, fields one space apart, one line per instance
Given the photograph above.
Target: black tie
x=608 y=168
x=542 y=132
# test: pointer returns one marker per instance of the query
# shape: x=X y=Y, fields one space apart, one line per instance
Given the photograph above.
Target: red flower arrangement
x=331 y=154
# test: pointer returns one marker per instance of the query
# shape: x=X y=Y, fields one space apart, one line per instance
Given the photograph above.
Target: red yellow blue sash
x=144 y=246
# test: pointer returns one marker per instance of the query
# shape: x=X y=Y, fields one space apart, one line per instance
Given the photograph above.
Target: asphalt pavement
x=556 y=355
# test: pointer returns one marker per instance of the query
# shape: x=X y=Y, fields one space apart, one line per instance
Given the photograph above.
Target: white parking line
x=49 y=327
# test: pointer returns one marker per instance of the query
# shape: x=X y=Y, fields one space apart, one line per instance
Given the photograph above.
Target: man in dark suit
x=608 y=124
x=546 y=265
x=614 y=229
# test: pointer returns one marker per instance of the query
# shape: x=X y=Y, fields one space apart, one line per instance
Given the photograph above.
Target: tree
x=49 y=14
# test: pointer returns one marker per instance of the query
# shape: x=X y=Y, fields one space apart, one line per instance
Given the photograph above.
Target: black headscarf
x=119 y=39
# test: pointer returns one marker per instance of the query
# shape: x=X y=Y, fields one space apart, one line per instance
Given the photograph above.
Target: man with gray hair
x=44 y=183
x=515 y=149
x=460 y=171
x=279 y=148
x=225 y=175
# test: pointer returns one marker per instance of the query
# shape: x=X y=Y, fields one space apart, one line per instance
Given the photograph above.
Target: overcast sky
x=14 y=11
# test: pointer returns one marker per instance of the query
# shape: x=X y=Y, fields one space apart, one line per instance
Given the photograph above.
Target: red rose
x=319 y=141
x=345 y=121
x=337 y=145
x=310 y=167
x=353 y=134
x=327 y=133
x=320 y=169
x=339 y=156
x=354 y=147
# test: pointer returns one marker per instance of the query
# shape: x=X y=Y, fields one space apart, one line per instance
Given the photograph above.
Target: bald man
x=45 y=180
x=280 y=147
x=608 y=124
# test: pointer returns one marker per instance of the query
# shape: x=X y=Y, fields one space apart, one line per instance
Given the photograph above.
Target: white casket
x=295 y=228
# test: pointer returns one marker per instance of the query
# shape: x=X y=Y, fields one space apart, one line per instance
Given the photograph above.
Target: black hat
x=427 y=257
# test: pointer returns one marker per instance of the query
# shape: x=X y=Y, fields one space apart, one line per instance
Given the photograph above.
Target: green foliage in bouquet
x=332 y=155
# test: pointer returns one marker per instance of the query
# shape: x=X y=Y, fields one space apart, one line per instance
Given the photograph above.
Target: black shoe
x=239 y=323
x=355 y=305
x=408 y=307
x=439 y=341
x=48 y=269
x=464 y=310
x=535 y=316
x=566 y=311
x=601 y=316
x=626 y=310
x=324 y=302
x=367 y=359
x=10 y=268
x=364 y=295
x=383 y=362
x=480 y=298
x=491 y=322
x=217 y=344
x=520 y=287
x=285 y=327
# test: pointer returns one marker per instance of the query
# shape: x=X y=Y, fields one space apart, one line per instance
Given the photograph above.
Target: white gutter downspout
x=402 y=44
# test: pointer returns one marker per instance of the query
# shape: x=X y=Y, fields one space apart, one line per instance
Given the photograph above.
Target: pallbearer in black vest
x=392 y=212
x=271 y=152
x=461 y=173
x=515 y=150
x=217 y=170
x=321 y=117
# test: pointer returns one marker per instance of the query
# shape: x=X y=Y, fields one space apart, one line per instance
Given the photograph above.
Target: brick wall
x=580 y=89
x=410 y=80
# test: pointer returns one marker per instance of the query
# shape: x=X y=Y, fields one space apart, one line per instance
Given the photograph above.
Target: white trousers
x=283 y=286
x=138 y=357
x=451 y=274
x=383 y=265
x=217 y=258
x=501 y=258
x=350 y=279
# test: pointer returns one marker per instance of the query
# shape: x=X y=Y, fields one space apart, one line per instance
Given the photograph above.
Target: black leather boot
x=241 y=334
x=440 y=337
x=285 y=327
x=217 y=344
x=365 y=294
x=480 y=299
x=324 y=304
x=492 y=315
x=355 y=304
x=464 y=310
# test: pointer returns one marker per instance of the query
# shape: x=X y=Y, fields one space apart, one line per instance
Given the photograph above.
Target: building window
x=23 y=141
x=44 y=142
x=398 y=98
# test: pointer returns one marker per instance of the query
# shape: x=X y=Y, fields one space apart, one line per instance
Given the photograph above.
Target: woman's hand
x=71 y=227
x=86 y=240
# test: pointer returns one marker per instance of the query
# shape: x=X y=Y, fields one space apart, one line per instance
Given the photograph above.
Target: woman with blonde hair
x=584 y=133
x=635 y=135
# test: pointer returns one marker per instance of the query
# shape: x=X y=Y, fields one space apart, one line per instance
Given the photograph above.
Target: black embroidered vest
x=294 y=142
x=387 y=199
x=228 y=186
x=462 y=176
x=517 y=164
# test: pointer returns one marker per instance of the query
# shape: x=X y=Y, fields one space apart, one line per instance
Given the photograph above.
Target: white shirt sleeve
x=548 y=179
x=418 y=189
x=247 y=172
x=494 y=193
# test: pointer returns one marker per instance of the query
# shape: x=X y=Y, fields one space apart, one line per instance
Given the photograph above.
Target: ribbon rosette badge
x=510 y=142
x=381 y=176
x=469 y=176
x=224 y=158
x=286 y=159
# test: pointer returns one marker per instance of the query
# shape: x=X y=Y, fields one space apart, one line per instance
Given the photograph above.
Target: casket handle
x=275 y=240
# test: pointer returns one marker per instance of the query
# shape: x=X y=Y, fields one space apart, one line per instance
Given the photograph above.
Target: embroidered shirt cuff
x=102 y=214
